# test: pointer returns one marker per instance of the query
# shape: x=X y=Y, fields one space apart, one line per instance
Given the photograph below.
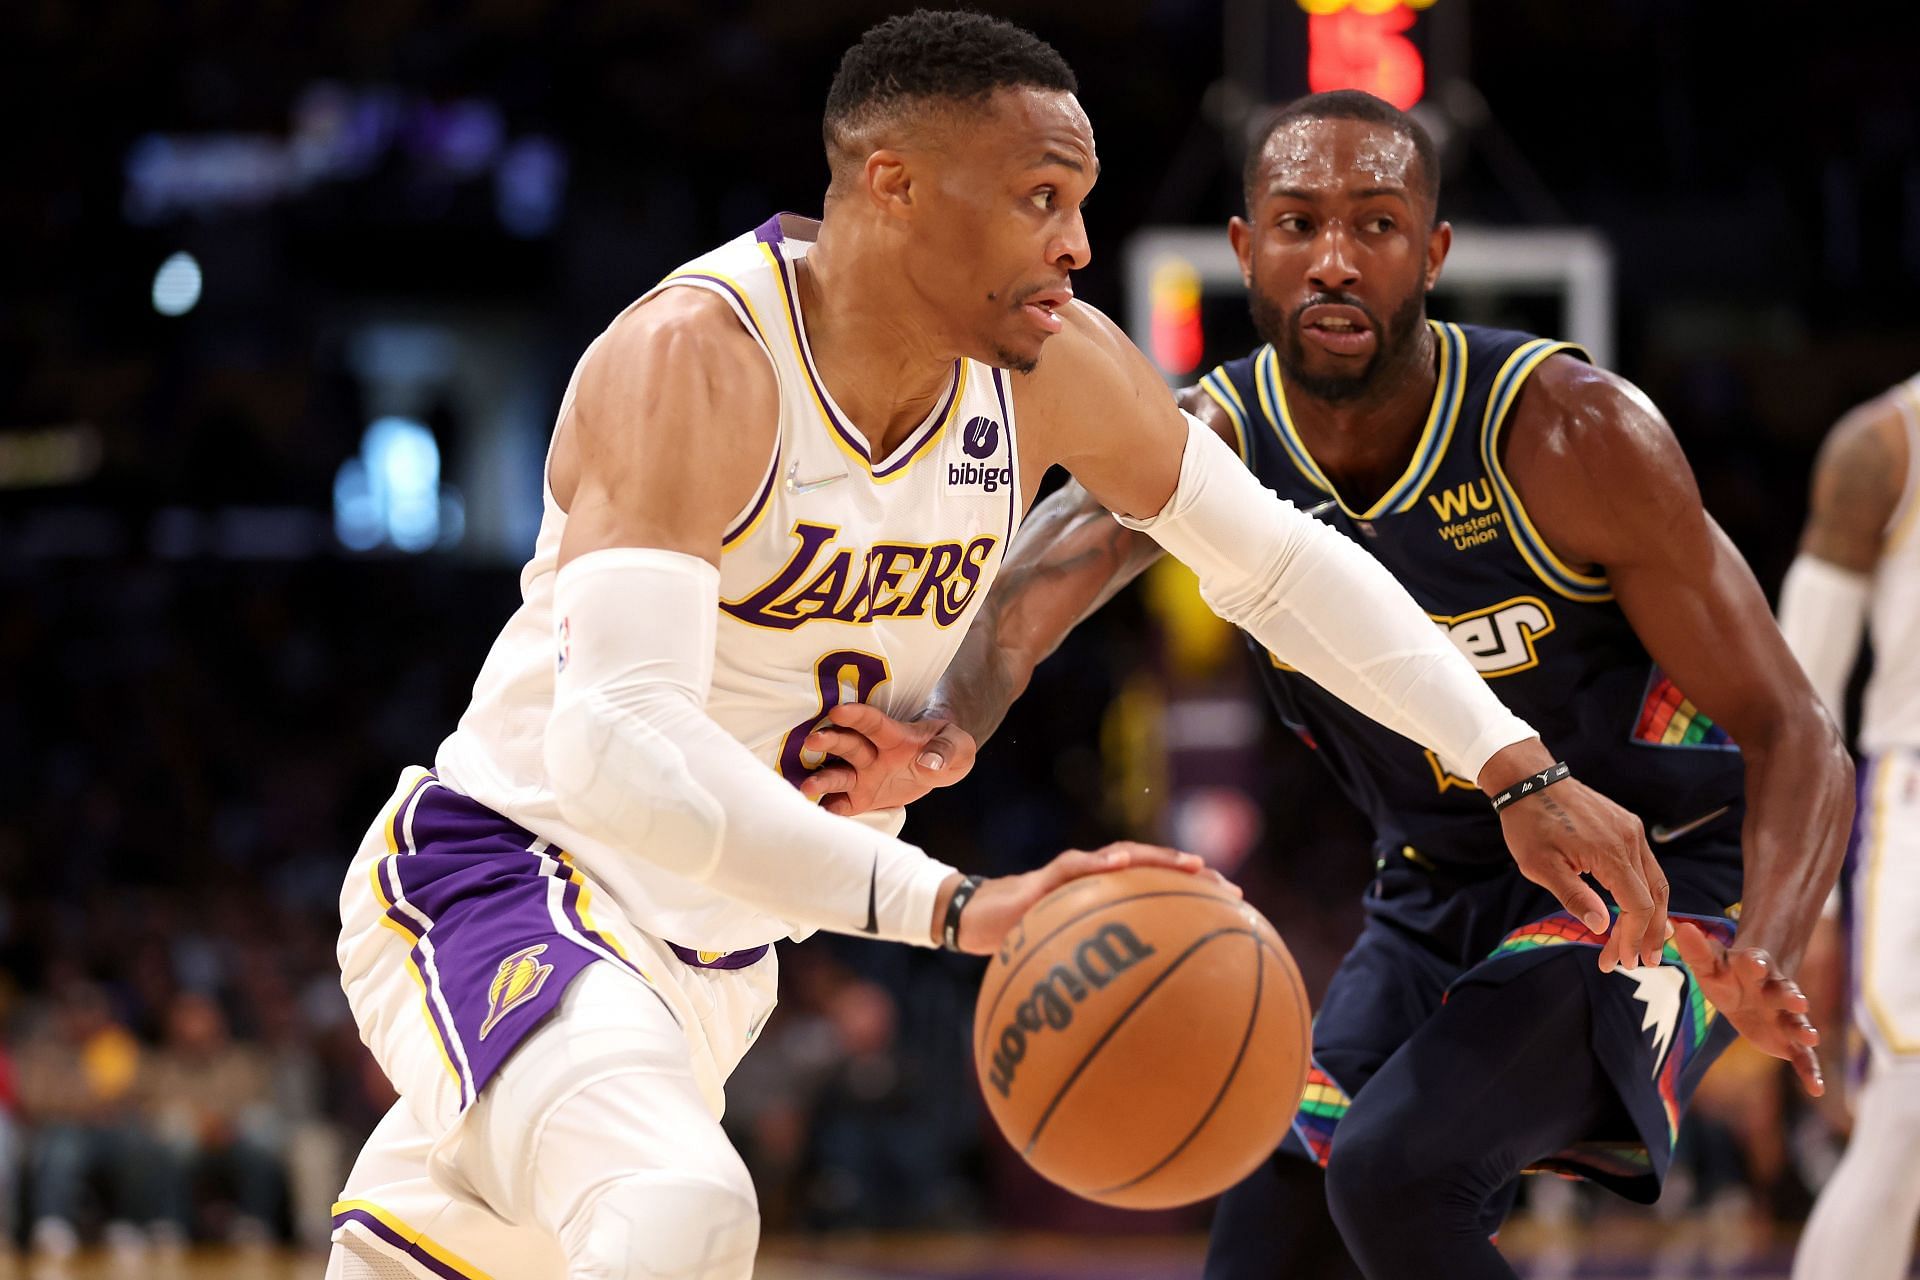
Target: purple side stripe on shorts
x=388 y=1235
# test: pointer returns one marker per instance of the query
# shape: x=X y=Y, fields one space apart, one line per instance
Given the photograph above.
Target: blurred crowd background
x=291 y=292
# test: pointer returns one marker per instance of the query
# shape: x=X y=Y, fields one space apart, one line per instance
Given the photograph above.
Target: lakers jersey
x=1546 y=635
x=1890 y=711
x=846 y=578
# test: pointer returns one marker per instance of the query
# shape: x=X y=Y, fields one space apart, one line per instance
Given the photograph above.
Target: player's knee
x=666 y=1226
x=1372 y=1181
x=1362 y=1179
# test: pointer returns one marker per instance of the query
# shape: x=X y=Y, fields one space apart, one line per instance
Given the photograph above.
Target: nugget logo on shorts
x=1103 y=956
x=517 y=981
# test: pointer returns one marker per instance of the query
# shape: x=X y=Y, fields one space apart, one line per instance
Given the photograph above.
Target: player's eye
x=1380 y=225
x=1292 y=222
x=1043 y=198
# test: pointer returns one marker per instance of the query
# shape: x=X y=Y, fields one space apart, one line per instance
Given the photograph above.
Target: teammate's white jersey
x=844 y=578
x=1891 y=712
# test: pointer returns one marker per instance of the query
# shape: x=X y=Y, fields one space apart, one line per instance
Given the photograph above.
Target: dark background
x=427 y=209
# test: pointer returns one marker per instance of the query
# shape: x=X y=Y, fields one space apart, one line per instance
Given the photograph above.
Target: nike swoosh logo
x=1663 y=834
x=796 y=485
x=872 y=926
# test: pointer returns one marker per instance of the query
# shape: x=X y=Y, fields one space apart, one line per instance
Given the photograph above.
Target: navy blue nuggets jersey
x=1547 y=636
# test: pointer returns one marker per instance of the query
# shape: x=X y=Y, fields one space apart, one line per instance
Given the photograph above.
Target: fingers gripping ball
x=1142 y=1038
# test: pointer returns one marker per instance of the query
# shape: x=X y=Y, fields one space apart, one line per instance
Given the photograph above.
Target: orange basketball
x=1142 y=1038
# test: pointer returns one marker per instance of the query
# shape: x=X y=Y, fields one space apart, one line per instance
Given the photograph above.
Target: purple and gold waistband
x=719 y=959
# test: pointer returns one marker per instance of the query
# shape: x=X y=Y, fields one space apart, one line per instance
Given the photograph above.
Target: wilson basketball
x=1142 y=1038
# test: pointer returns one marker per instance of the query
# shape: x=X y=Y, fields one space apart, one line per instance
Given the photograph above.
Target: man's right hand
x=999 y=903
x=883 y=763
x=1569 y=829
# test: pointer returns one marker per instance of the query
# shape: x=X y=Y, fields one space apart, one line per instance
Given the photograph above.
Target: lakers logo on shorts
x=517 y=981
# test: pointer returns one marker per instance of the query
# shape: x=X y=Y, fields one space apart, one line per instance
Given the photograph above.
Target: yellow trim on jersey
x=925 y=447
x=390 y=829
x=1876 y=860
x=439 y=1252
x=1903 y=518
x=1548 y=567
x=692 y=280
x=1429 y=450
x=1220 y=389
x=919 y=448
x=800 y=353
x=765 y=498
x=1266 y=380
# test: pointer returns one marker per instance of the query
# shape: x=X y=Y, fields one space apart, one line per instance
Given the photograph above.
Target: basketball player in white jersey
x=780 y=481
x=1859 y=565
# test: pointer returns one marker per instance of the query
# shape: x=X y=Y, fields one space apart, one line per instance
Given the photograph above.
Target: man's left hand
x=1763 y=1004
x=883 y=763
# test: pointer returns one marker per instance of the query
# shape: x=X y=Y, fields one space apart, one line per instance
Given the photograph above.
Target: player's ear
x=1240 y=235
x=1439 y=241
x=889 y=184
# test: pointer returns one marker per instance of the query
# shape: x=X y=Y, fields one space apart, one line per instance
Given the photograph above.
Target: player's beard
x=1396 y=346
x=1005 y=359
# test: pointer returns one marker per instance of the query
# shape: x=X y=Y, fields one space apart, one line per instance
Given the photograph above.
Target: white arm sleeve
x=637 y=763
x=1326 y=607
x=1822 y=609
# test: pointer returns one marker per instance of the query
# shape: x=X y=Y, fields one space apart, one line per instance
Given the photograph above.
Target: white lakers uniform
x=473 y=904
x=1886 y=875
x=844 y=579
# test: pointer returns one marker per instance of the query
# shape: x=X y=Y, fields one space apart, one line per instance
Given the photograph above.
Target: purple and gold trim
x=744 y=308
x=725 y=288
x=475 y=895
x=405 y=919
x=575 y=904
x=720 y=959
x=745 y=524
x=397 y=1235
x=941 y=418
x=850 y=440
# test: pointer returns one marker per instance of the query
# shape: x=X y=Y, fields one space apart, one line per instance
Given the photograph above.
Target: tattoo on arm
x=1559 y=814
x=1856 y=486
x=1070 y=559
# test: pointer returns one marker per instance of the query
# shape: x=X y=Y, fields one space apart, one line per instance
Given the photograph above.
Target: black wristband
x=1555 y=772
x=950 y=928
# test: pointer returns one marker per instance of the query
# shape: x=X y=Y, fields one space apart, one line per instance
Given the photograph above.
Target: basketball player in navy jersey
x=1543 y=514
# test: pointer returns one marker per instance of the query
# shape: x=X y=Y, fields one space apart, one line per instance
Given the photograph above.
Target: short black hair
x=935 y=56
x=1347 y=104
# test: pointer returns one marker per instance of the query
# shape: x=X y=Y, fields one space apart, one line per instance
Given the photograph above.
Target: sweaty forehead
x=1334 y=156
x=1032 y=125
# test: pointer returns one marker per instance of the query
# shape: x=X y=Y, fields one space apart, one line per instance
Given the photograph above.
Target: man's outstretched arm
x=1608 y=485
x=1071 y=557
x=1308 y=593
